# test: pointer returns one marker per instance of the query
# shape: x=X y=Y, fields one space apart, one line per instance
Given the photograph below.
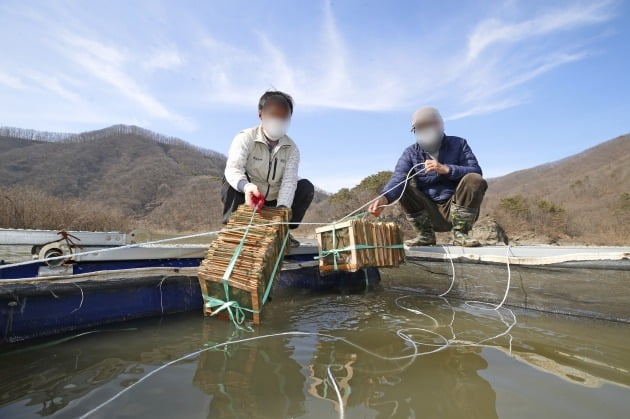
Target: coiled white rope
x=479 y=304
x=401 y=333
x=405 y=334
x=454 y=341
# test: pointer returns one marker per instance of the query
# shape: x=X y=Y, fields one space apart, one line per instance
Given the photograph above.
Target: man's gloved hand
x=253 y=197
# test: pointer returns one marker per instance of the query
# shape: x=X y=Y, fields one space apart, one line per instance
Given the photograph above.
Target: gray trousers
x=469 y=193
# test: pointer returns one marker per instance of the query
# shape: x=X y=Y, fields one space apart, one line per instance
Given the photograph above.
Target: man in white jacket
x=263 y=164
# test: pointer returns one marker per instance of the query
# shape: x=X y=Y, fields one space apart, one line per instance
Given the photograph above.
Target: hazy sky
x=525 y=82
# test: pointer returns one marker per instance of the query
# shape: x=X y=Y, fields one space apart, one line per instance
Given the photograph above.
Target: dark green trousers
x=469 y=193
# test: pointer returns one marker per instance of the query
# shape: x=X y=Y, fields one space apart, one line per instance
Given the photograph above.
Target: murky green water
x=544 y=366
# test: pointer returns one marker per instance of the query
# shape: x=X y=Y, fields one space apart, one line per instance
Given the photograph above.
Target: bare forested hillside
x=126 y=168
x=584 y=198
x=124 y=177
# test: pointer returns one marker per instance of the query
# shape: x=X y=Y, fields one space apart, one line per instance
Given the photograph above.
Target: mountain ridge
x=27 y=134
x=126 y=168
x=166 y=183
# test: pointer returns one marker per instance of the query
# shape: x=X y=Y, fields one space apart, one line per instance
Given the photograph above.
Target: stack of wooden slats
x=358 y=243
x=254 y=266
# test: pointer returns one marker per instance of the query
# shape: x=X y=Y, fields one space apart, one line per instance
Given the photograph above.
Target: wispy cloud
x=494 y=31
x=107 y=63
x=55 y=85
x=165 y=59
x=11 y=81
x=486 y=108
x=482 y=69
x=467 y=80
x=328 y=77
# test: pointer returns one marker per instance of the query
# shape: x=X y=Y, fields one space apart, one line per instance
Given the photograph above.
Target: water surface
x=349 y=355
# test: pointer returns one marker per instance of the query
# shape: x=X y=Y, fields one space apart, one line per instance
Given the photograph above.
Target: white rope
x=333 y=383
x=405 y=334
x=454 y=341
x=509 y=280
x=450 y=258
x=144 y=244
x=480 y=304
x=401 y=333
x=474 y=303
x=405 y=181
x=80 y=303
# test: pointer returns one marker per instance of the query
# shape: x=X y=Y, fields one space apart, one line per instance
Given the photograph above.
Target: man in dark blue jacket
x=447 y=188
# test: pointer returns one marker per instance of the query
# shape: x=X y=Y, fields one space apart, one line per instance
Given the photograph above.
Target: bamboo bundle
x=252 y=271
x=357 y=243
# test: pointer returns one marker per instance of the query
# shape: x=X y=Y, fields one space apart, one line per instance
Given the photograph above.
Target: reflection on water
x=378 y=354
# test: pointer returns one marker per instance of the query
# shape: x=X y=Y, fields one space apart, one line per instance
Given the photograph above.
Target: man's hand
x=285 y=207
x=253 y=197
x=377 y=207
x=436 y=166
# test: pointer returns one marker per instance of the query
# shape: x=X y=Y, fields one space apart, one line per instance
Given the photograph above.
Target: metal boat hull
x=48 y=306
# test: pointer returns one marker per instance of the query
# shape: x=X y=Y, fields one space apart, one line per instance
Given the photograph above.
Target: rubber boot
x=421 y=222
x=463 y=219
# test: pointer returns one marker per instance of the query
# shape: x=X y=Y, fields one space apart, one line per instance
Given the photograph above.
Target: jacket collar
x=260 y=137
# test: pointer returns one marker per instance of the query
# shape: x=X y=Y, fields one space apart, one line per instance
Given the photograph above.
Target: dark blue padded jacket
x=454 y=152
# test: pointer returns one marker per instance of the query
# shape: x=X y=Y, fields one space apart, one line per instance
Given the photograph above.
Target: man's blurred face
x=275 y=118
x=429 y=124
x=275 y=110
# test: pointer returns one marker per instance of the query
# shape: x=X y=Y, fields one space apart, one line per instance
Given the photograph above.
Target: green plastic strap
x=334 y=245
x=235 y=311
x=237 y=253
x=335 y=252
x=275 y=267
x=324 y=253
x=237 y=316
